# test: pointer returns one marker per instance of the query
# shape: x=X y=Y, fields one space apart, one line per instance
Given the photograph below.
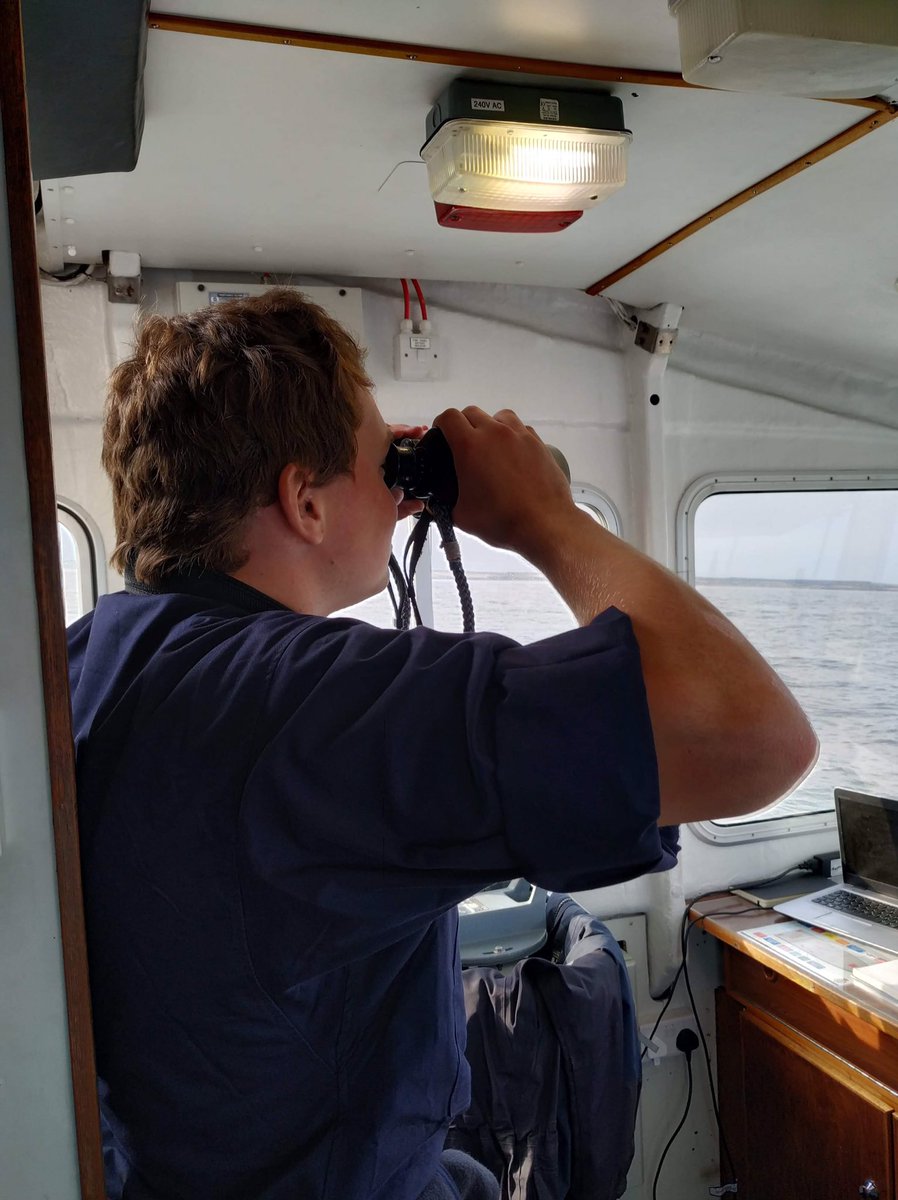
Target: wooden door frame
x=48 y=593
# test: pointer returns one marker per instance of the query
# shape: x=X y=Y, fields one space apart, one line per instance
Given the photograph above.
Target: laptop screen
x=868 y=838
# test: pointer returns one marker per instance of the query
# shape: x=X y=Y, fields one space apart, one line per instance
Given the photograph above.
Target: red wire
x=417 y=288
x=407 y=298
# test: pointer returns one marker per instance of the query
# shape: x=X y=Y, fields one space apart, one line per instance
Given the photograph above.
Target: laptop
x=865 y=905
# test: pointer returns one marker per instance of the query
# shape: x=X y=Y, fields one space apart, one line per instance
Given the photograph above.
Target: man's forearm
x=730 y=737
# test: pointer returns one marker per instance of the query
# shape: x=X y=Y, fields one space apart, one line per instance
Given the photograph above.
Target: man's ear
x=300 y=503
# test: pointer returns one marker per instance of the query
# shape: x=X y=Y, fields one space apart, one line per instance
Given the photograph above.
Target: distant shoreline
x=842 y=585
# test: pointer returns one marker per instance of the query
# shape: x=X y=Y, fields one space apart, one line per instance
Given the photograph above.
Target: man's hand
x=511 y=492
x=407 y=508
x=410 y=431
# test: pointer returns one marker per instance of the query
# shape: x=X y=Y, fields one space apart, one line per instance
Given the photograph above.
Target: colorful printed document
x=832 y=957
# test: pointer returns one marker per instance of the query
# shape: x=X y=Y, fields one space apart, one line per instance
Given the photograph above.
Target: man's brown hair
x=204 y=416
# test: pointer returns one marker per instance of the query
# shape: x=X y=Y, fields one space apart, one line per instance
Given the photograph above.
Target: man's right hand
x=511 y=492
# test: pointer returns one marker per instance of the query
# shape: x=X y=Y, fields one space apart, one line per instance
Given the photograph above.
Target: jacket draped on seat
x=554 y=1054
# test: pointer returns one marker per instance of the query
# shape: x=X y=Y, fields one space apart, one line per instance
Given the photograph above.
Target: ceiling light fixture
x=514 y=159
x=828 y=49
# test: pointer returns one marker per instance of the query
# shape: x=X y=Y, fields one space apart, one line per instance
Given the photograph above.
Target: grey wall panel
x=38 y=1157
x=84 y=68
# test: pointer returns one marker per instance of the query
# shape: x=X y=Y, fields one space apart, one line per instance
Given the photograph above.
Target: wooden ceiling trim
x=412 y=52
x=883 y=110
x=825 y=150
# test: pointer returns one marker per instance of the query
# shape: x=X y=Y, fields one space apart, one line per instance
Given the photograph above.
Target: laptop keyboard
x=860 y=906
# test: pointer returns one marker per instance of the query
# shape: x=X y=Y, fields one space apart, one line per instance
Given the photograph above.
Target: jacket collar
x=207 y=585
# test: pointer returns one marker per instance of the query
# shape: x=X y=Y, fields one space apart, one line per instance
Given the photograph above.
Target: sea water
x=835 y=645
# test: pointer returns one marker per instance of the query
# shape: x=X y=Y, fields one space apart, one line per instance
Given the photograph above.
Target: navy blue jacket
x=556 y=1074
x=279 y=814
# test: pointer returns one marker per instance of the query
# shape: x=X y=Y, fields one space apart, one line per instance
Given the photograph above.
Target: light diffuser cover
x=523 y=167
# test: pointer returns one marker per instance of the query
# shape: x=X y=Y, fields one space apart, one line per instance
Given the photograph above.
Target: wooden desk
x=807 y=1071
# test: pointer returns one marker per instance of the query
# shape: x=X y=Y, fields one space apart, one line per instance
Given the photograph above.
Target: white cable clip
x=654 y=1051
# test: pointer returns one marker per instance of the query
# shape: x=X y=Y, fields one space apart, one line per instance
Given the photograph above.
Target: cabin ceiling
x=313 y=156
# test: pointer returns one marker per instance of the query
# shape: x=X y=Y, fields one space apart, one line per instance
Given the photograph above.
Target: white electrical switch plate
x=416 y=356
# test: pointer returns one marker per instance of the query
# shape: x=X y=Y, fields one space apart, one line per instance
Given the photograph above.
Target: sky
x=839 y=536
x=832 y=535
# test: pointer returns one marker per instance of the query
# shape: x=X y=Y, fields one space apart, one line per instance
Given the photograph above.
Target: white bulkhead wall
x=712 y=426
x=78 y=364
x=559 y=358
x=549 y=354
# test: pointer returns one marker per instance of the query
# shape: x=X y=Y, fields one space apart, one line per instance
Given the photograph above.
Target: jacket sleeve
x=402 y=772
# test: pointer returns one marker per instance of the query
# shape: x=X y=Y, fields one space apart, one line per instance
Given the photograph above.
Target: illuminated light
x=527 y=150
x=522 y=170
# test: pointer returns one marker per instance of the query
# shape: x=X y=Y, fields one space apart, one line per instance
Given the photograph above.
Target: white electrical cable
x=622 y=312
x=77 y=277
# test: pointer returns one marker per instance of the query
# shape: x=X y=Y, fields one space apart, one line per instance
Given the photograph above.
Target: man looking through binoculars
x=281 y=810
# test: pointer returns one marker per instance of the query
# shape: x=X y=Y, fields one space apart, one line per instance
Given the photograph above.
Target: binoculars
x=424 y=468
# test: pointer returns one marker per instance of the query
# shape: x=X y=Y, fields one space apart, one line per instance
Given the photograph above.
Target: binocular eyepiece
x=425 y=470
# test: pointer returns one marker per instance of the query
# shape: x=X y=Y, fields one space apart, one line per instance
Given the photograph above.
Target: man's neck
x=281 y=585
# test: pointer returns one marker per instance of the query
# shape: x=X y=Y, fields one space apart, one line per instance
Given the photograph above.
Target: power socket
x=664 y=1042
x=416 y=356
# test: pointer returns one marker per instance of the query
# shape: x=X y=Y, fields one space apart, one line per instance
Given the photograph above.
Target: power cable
x=704 y=1043
x=683 y=970
x=623 y=313
x=81 y=274
x=687 y=1043
x=421 y=302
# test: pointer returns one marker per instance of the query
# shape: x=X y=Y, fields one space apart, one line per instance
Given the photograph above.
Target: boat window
x=510 y=596
x=809 y=573
x=78 y=564
x=598 y=506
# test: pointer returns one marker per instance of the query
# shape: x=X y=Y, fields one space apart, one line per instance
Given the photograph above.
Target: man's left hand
x=407 y=508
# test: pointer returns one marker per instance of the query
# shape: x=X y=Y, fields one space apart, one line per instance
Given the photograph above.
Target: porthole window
x=808 y=571
x=79 y=565
x=510 y=596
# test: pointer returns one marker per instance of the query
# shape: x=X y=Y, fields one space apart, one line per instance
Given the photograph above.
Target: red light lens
x=494 y=220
